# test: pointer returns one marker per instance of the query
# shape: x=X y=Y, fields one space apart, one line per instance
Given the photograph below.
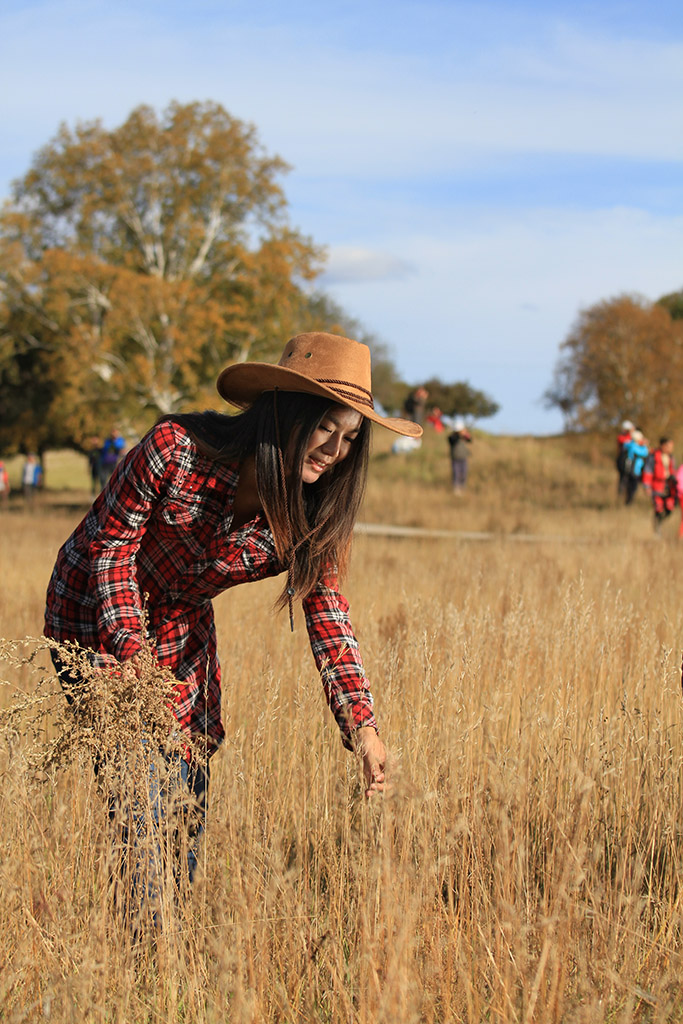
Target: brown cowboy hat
x=317 y=364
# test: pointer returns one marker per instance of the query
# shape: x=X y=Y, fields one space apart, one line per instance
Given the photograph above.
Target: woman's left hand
x=374 y=755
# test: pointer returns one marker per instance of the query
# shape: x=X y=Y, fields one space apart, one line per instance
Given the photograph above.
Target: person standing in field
x=434 y=419
x=659 y=479
x=111 y=452
x=415 y=404
x=4 y=486
x=636 y=453
x=679 y=495
x=31 y=479
x=622 y=460
x=459 y=441
x=205 y=502
x=95 y=465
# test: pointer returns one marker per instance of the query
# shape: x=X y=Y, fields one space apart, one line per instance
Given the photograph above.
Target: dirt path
x=386 y=530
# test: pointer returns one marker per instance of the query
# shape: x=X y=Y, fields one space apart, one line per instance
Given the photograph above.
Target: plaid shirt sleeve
x=138 y=482
x=336 y=653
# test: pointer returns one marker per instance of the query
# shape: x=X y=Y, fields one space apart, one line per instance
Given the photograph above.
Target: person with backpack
x=636 y=451
x=459 y=441
x=622 y=460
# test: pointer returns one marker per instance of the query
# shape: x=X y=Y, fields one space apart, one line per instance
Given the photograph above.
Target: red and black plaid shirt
x=162 y=528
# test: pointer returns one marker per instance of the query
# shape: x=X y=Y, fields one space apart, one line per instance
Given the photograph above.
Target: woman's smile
x=318 y=464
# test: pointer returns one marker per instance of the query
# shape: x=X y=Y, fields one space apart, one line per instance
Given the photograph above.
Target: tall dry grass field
x=528 y=863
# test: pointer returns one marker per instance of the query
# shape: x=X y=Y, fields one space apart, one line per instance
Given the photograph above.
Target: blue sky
x=478 y=171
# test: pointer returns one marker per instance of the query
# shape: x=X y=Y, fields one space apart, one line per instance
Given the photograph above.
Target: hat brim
x=242 y=383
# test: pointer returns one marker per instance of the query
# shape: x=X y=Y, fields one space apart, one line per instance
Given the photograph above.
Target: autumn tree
x=673 y=302
x=459 y=398
x=134 y=264
x=623 y=359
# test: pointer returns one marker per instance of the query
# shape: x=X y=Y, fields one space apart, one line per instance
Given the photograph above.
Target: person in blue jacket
x=636 y=451
x=110 y=454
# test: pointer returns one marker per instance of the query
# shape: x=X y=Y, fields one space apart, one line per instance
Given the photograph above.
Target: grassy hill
x=560 y=485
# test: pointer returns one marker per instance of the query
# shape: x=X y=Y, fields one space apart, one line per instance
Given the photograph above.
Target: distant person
x=459 y=441
x=636 y=453
x=414 y=405
x=434 y=419
x=95 y=465
x=659 y=479
x=623 y=466
x=111 y=453
x=4 y=485
x=679 y=495
x=31 y=478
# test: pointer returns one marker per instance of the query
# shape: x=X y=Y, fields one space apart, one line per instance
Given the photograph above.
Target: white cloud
x=354 y=263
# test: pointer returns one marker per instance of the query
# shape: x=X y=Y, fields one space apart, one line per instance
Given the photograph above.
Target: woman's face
x=330 y=442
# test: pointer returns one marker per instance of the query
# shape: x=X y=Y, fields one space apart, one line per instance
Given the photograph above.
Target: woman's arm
x=336 y=653
x=131 y=497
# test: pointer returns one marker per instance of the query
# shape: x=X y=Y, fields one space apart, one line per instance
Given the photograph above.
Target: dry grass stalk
x=117 y=730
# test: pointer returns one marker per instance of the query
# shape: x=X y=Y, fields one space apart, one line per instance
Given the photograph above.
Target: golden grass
x=528 y=863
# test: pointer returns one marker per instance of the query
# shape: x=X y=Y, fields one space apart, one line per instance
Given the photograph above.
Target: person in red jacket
x=434 y=419
x=4 y=485
x=679 y=494
x=659 y=478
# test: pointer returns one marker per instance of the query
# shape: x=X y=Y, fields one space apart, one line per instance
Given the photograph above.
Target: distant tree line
x=136 y=262
x=623 y=359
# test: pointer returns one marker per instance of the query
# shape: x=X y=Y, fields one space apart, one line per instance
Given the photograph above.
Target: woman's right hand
x=374 y=756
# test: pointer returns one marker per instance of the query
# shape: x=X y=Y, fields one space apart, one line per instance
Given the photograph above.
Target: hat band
x=364 y=399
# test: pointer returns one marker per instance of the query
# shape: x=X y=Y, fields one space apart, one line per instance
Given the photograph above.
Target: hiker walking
x=459 y=441
x=622 y=459
x=205 y=502
x=659 y=479
x=636 y=453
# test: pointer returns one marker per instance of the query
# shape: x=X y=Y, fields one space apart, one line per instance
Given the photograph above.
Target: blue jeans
x=459 y=473
x=177 y=795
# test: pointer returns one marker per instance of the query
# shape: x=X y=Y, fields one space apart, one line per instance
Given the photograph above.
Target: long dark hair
x=322 y=514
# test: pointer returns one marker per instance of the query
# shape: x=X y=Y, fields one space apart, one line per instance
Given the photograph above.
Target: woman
x=205 y=502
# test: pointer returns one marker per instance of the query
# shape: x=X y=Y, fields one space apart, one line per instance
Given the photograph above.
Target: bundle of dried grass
x=119 y=720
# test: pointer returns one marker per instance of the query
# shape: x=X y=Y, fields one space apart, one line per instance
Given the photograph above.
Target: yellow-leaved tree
x=623 y=359
x=136 y=262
